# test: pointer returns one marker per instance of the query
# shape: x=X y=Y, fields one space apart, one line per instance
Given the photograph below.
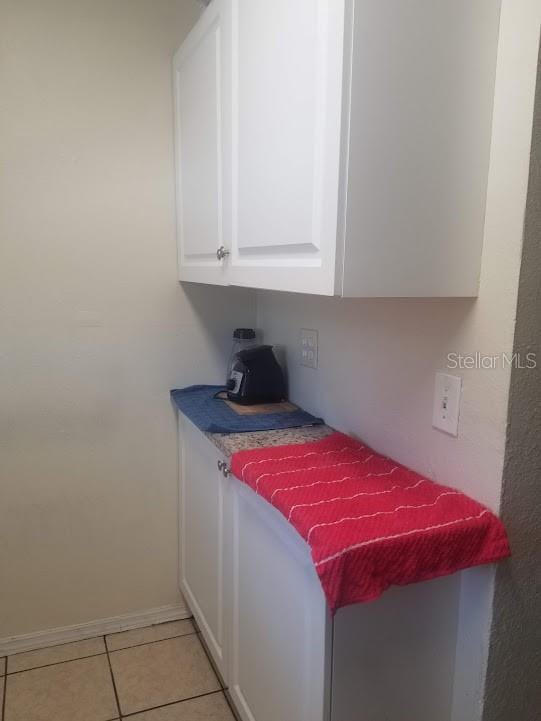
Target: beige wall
x=94 y=328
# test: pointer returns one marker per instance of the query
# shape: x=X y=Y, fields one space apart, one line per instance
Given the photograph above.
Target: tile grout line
x=94 y=655
x=152 y=625
x=229 y=702
x=220 y=690
x=225 y=689
x=147 y=643
x=107 y=653
x=171 y=703
x=112 y=678
x=62 y=643
x=211 y=661
x=56 y=663
x=91 y=638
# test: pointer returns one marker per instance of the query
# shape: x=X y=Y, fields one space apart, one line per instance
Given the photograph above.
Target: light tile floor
x=158 y=673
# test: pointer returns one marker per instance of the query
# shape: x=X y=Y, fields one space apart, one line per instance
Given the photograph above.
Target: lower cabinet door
x=280 y=630
x=202 y=489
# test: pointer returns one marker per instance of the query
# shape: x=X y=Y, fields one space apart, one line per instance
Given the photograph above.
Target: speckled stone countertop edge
x=230 y=443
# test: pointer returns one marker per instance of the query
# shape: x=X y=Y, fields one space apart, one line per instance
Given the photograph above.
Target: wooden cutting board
x=283 y=407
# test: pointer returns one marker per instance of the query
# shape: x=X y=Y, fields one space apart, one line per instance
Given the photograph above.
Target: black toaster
x=256 y=377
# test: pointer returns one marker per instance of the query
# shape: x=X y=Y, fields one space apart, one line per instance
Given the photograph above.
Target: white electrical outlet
x=446 y=403
x=308 y=348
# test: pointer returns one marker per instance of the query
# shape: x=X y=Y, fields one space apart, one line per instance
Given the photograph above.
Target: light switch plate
x=446 y=410
x=308 y=348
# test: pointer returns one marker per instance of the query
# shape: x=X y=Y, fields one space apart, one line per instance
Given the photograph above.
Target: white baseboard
x=78 y=632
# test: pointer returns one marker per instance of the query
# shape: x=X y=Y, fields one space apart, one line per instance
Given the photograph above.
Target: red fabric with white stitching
x=370 y=523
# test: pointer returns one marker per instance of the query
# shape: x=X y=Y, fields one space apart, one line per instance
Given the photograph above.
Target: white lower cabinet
x=280 y=631
x=249 y=580
x=202 y=550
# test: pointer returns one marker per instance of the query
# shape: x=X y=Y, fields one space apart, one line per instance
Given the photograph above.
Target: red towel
x=370 y=523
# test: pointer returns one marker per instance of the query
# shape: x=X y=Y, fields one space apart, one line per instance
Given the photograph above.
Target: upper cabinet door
x=198 y=134
x=282 y=144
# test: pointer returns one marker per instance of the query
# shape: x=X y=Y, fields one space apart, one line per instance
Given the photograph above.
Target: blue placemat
x=213 y=415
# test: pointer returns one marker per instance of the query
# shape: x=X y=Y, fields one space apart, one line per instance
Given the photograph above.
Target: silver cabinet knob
x=221 y=465
x=222 y=252
x=225 y=470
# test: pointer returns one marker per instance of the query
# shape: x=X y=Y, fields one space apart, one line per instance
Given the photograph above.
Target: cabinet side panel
x=393 y=659
x=421 y=115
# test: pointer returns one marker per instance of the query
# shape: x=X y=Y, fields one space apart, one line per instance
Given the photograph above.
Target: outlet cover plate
x=308 y=343
x=446 y=410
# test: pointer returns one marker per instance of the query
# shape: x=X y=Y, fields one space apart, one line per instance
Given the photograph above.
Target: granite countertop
x=229 y=443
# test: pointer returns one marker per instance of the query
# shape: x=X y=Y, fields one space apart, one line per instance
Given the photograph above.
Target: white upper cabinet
x=352 y=143
x=198 y=130
x=286 y=66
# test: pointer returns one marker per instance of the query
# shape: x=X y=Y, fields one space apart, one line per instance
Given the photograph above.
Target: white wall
x=94 y=327
x=377 y=358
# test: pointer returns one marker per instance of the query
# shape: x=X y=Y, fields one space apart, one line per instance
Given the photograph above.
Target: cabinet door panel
x=279 y=644
x=198 y=117
x=201 y=537
x=286 y=69
x=277 y=115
